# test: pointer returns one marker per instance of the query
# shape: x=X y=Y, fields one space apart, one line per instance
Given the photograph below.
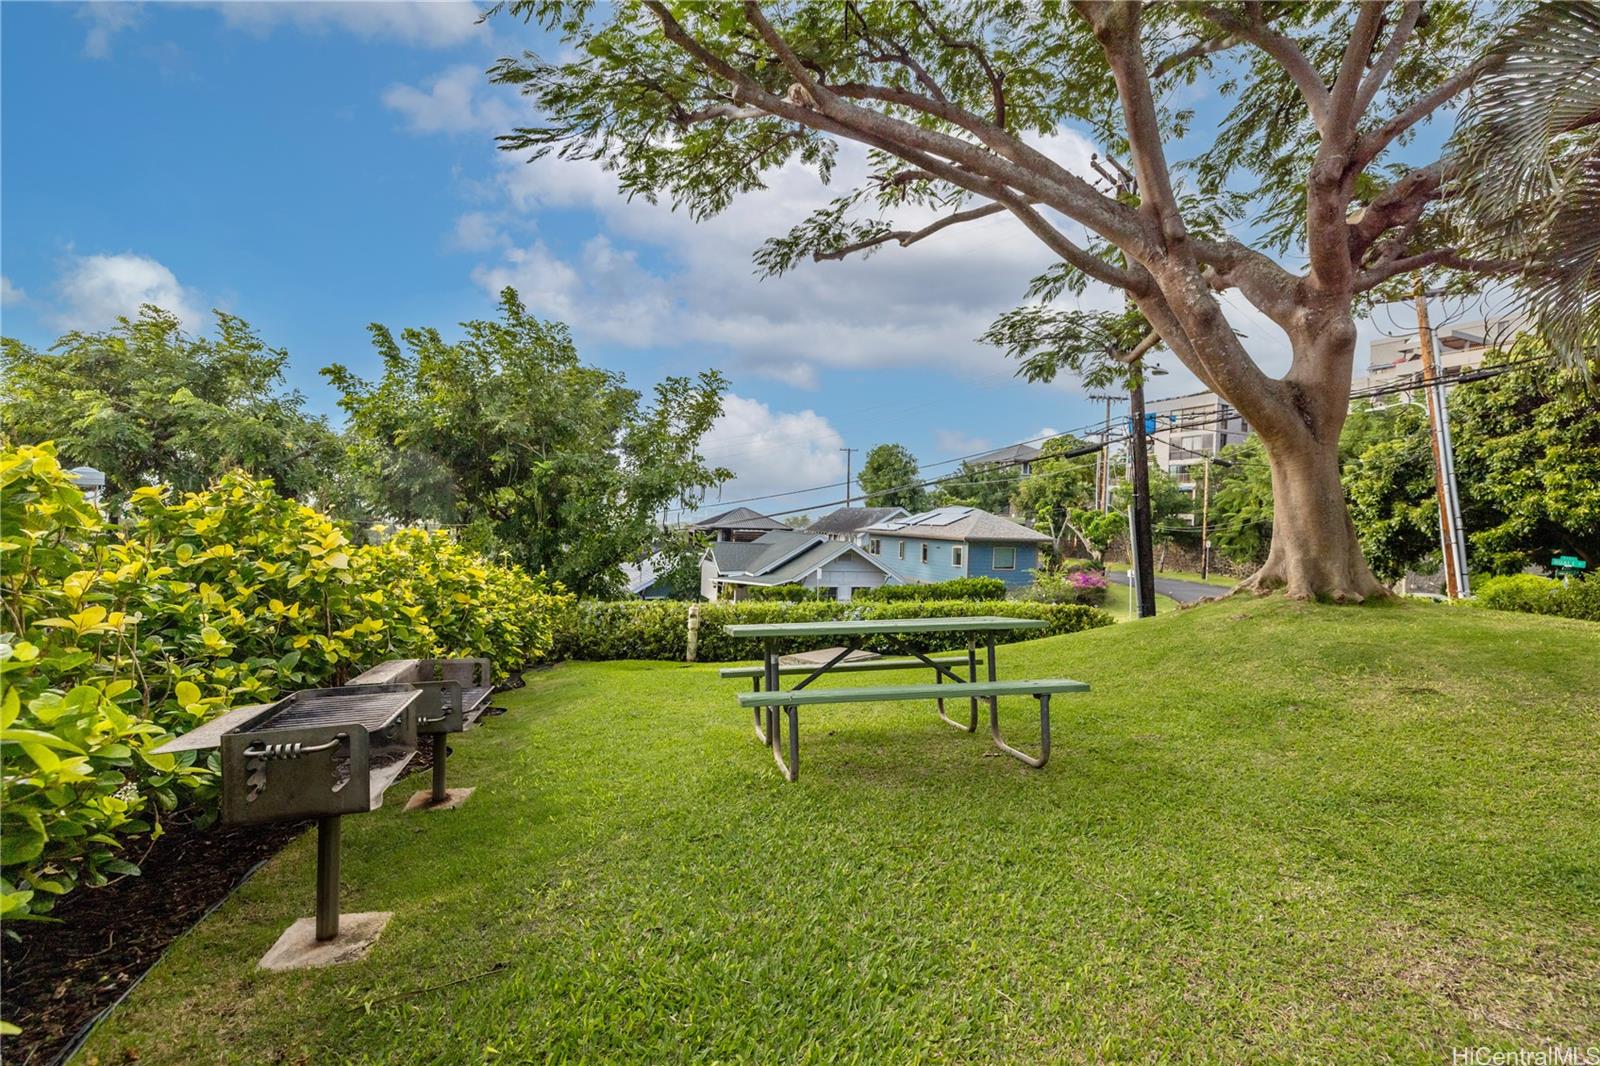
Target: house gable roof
x=756 y=557
x=854 y=519
x=738 y=518
x=1011 y=453
x=967 y=524
x=796 y=567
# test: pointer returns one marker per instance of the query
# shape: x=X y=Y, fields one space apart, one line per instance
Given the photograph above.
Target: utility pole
x=1141 y=546
x=1141 y=553
x=1102 y=462
x=1205 y=523
x=1451 y=540
x=848 y=452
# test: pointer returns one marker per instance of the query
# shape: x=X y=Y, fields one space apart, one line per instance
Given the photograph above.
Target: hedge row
x=658 y=629
x=1540 y=595
x=960 y=588
x=114 y=639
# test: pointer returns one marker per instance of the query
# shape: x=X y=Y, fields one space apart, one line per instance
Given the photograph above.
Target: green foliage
x=1241 y=503
x=147 y=404
x=960 y=588
x=115 y=639
x=987 y=486
x=1060 y=486
x=1388 y=477
x=597 y=631
x=891 y=478
x=557 y=465
x=1069 y=584
x=1097 y=529
x=1532 y=594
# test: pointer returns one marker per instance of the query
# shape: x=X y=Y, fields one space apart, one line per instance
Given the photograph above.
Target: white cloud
x=106 y=19
x=95 y=289
x=920 y=306
x=10 y=295
x=955 y=442
x=476 y=231
x=458 y=100
x=437 y=24
x=772 y=451
x=546 y=283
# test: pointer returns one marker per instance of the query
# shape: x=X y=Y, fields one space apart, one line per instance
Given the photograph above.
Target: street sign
x=1568 y=562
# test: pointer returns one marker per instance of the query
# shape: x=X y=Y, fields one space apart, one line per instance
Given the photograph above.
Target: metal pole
x=1143 y=550
x=440 y=751
x=848 y=452
x=1205 y=524
x=1449 y=510
x=328 y=877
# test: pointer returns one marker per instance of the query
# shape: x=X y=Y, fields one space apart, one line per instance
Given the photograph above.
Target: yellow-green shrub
x=115 y=638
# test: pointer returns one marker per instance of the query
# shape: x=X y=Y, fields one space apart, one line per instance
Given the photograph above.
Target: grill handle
x=292 y=750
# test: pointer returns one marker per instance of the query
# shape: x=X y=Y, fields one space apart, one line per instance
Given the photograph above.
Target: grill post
x=328 y=877
x=440 y=750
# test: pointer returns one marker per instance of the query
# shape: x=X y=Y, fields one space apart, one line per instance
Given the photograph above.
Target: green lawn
x=1119 y=596
x=1273 y=832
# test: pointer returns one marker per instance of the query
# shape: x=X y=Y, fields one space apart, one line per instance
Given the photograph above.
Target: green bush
x=1069 y=584
x=1540 y=595
x=115 y=639
x=961 y=588
x=659 y=630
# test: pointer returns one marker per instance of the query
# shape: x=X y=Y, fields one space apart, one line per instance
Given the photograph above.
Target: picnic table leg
x=761 y=734
x=769 y=663
x=791 y=768
x=971 y=725
x=1044 y=732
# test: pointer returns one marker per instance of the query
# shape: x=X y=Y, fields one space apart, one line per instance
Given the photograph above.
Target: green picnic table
x=768 y=698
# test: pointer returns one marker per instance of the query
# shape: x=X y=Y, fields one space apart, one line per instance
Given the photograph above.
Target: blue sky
x=317 y=167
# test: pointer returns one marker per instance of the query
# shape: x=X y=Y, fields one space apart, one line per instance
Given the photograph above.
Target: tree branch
x=1445 y=257
x=1281 y=48
x=1342 y=112
x=1371 y=145
x=1203 y=47
x=1390 y=55
x=907 y=236
x=997 y=79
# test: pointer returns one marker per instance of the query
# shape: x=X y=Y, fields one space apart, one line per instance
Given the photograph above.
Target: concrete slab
x=423 y=801
x=298 y=948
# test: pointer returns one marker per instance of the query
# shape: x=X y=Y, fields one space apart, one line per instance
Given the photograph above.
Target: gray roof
x=1011 y=453
x=854 y=519
x=960 y=523
x=738 y=518
x=762 y=554
x=797 y=567
x=641 y=575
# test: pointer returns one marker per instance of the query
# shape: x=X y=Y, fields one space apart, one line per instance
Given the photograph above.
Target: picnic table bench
x=772 y=700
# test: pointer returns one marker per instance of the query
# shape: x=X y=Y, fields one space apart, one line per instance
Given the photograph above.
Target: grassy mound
x=1272 y=831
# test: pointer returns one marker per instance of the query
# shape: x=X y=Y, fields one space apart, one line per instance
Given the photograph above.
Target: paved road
x=1187 y=591
x=1182 y=591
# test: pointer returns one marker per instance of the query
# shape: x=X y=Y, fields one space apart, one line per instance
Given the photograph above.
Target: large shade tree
x=556 y=464
x=1313 y=105
x=145 y=403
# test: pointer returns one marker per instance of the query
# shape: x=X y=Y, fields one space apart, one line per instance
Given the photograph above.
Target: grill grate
x=371 y=710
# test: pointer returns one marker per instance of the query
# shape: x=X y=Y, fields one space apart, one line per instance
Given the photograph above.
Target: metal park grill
x=317 y=753
x=457 y=693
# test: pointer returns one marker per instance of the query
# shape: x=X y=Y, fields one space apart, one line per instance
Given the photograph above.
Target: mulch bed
x=59 y=978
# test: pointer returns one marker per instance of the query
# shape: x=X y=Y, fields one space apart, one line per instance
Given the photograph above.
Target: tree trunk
x=1314 y=551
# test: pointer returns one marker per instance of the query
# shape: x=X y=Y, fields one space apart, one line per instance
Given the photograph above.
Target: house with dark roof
x=847 y=522
x=951 y=542
x=790 y=557
x=1020 y=456
x=741 y=523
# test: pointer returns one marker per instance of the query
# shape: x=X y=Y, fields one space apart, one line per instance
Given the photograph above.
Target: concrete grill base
x=423 y=801
x=299 y=949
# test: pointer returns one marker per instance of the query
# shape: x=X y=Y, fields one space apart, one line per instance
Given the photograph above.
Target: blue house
x=952 y=542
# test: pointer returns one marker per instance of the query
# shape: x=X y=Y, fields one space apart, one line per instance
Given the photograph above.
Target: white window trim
x=957 y=556
x=924 y=555
x=902 y=549
x=994 y=560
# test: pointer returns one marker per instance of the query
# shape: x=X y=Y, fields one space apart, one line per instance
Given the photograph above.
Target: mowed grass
x=1272 y=832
